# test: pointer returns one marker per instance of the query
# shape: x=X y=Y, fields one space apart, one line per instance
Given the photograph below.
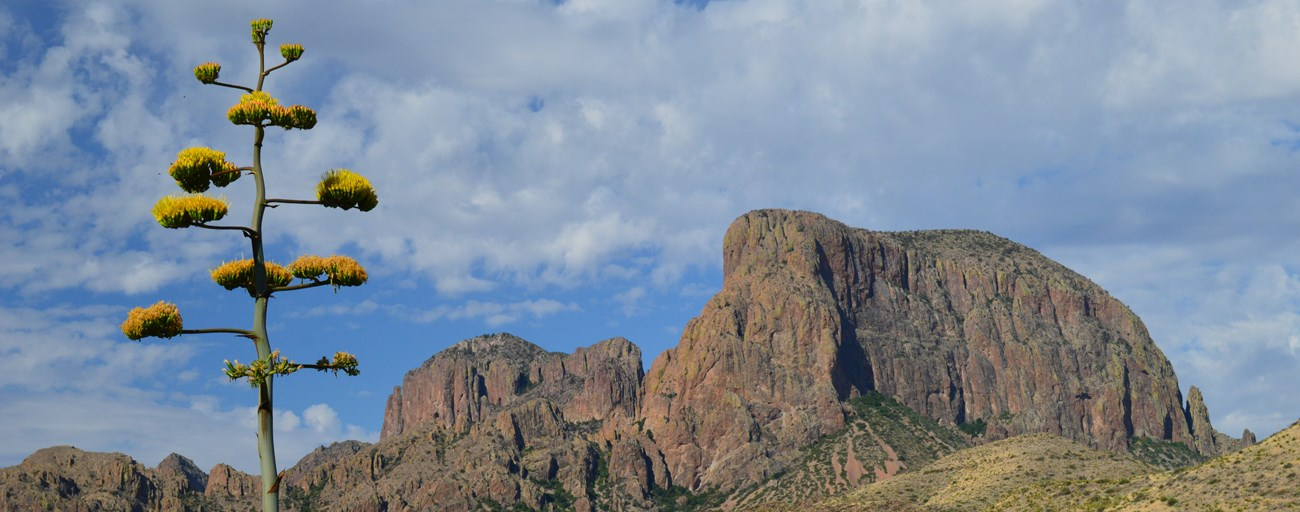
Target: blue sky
x=565 y=172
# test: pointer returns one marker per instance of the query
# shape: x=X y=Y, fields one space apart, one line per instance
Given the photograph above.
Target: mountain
x=962 y=326
x=497 y=421
x=832 y=358
x=65 y=478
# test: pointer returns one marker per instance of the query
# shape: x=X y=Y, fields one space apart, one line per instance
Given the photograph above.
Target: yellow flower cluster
x=291 y=52
x=207 y=72
x=184 y=211
x=258 y=370
x=340 y=270
x=342 y=359
x=162 y=320
x=252 y=109
x=260 y=109
x=261 y=27
x=194 y=169
x=346 y=363
x=342 y=188
x=343 y=362
x=296 y=116
x=239 y=274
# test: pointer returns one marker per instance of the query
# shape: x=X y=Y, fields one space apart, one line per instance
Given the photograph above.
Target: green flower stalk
x=198 y=168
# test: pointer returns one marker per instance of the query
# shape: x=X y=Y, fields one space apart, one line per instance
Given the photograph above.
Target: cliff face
x=496 y=419
x=958 y=325
x=461 y=385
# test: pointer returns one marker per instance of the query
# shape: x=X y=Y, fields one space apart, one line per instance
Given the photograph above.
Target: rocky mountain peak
x=186 y=470
x=496 y=346
x=961 y=326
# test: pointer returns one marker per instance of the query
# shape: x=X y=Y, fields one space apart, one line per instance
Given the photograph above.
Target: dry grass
x=978 y=478
x=1040 y=472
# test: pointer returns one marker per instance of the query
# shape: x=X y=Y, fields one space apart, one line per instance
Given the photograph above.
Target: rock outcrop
x=958 y=325
x=1206 y=440
x=496 y=419
x=66 y=478
x=460 y=386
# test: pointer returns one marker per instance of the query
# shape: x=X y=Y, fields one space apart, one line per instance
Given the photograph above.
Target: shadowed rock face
x=958 y=325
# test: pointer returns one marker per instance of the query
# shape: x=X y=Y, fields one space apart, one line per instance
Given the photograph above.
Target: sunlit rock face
x=958 y=325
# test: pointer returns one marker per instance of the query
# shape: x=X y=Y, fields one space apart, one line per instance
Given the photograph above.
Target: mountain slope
x=1037 y=472
x=880 y=440
x=980 y=477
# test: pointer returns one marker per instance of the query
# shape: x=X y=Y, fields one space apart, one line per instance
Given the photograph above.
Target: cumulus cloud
x=322 y=418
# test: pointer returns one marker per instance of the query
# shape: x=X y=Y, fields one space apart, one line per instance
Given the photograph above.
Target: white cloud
x=631 y=300
x=322 y=418
x=493 y=314
x=1212 y=52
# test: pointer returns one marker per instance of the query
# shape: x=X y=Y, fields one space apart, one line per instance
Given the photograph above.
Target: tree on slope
x=198 y=168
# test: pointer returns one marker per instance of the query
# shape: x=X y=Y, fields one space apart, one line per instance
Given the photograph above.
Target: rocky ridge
x=66 y=478
x=960 y=329
x=497 y=420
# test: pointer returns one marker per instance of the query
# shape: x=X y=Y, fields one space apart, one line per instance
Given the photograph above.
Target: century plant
x=198 y=168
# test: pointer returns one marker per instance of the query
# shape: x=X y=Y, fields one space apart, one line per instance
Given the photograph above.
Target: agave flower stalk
x=198 y=168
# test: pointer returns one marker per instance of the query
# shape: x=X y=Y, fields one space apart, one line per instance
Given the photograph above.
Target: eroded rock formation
x=958 y=325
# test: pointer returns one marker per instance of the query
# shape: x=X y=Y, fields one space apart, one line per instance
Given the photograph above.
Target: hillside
x=880 y=440
x=1038 y=472
x=980 y=477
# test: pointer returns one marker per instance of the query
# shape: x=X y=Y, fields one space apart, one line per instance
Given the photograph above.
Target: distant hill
x=831 y=358
x=65 y=478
